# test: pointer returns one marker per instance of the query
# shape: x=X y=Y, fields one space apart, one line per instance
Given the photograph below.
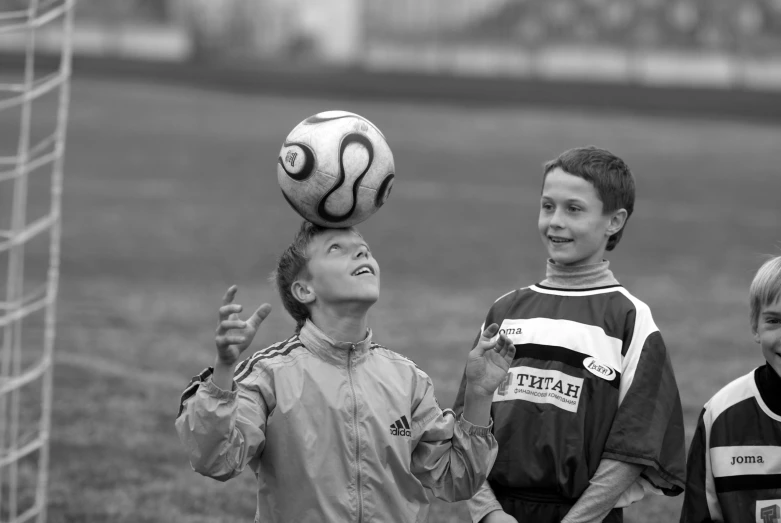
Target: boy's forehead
x=560 y=182
x=774 y=306
x=336 y=235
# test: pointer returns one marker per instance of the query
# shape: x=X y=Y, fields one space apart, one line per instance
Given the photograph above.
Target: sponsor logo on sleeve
x=769 y=511
x=598 y=369
x=541 y=386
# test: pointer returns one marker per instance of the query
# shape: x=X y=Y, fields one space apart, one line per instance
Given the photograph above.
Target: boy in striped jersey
x=589 y=418
x=335 y=427
x=734 y=468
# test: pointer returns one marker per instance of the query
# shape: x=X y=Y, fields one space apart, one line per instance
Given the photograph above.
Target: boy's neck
x=579 y=276
x=769 y=384
x=345 y=323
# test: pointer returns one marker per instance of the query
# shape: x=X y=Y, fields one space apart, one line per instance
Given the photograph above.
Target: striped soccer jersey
x=591 y=379
x=734 y=468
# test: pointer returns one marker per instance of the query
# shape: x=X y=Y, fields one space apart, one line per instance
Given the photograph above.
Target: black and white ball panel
x=336 y=169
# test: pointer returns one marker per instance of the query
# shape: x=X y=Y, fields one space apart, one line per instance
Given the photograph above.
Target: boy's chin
x=366 y=298
x=560 y=259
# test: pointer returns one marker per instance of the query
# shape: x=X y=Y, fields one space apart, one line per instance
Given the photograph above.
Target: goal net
x=33 y=114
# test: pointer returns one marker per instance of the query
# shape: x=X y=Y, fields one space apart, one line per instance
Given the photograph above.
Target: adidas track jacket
x=334 y=432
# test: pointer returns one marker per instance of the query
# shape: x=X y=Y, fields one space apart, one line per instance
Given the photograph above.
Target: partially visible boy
x=336 y=427
x=734 y=468
x=589 y=418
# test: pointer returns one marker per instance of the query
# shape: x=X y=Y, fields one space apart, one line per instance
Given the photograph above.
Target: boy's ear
x=302 y=291
x=755 y=332
x=617 y=221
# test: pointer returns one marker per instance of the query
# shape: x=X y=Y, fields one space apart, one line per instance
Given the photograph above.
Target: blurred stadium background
x=178 y=111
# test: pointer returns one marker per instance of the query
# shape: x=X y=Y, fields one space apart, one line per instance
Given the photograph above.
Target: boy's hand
x=489 y=362
x=233 y=334
x=498 y=516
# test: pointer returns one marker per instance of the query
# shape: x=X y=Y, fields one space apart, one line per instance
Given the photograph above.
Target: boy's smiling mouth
x=559 y=239
x=363 y=269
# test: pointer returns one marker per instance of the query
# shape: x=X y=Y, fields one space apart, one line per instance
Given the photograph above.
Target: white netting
x=33 y=114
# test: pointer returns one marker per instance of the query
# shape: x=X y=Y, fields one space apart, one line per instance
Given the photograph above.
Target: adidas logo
x=401 y=428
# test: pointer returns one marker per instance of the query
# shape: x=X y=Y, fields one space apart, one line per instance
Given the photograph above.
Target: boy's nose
x=556 y=222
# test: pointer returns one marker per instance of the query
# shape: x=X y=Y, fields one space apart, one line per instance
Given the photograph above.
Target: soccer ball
x=335 y=169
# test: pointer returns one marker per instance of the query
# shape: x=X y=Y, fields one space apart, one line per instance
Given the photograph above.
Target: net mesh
x=34 y=94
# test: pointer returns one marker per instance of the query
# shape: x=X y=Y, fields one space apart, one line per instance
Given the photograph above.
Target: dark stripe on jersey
x=769 y=386
x=192 y=387
x=612 y=312
x=256 y=359
x=541 y=286
x=247 y=361
x=553 y=353
x=745 y=423
x=243 y=366
x=747 y=482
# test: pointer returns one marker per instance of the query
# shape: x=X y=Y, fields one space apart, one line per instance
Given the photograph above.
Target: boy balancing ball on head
x=336 y=427
x=734 y=468
x=589 y=418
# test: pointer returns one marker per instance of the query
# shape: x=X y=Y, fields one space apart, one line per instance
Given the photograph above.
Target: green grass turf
x=171 y=196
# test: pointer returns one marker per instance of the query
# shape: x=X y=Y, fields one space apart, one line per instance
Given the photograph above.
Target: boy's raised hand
x=233 y=334
x=489 y=361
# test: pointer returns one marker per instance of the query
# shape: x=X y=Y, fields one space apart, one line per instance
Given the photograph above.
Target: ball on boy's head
x=335 y=169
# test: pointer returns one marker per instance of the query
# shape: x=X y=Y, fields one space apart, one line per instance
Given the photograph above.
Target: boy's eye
x=547 y=206
x=572 y=208
x=333 y=247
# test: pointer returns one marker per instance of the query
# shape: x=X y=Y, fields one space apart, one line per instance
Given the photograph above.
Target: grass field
x=171 y=196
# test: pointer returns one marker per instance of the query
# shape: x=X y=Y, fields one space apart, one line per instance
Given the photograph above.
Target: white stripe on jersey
x=735 y=392
x=589 y=340
x=745 y=460
x=644 y=327
x=563 y=292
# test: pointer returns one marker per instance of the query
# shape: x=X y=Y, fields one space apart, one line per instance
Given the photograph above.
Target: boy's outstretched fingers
x=230 y=310
x=490 y=332
x=506 y=348
x=484 y=343
x=259 y=315
x=230 y=294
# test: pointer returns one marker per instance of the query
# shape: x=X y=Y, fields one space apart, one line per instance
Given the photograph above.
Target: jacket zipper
x=355 y=426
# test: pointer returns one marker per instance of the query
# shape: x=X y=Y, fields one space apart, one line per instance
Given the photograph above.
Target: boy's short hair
x=765 y=288
x=292 y=263
x=609 y=175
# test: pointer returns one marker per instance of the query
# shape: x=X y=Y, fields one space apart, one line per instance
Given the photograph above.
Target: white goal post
x=26 y=365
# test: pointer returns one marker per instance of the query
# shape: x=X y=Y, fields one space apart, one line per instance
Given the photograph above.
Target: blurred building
x=729 y=43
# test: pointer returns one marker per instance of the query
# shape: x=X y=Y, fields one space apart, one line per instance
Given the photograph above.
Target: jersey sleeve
x=695 y=501
x=648 y=427
x=451 y=457
x=482 y=503
x=222 y=430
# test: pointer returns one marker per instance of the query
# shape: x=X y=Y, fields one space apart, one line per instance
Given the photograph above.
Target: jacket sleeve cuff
x=470 y=428
x=217 y=393
x=478 y=511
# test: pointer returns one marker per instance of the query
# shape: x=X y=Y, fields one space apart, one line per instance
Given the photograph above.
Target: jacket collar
x=579 y=276
x=332 y=351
